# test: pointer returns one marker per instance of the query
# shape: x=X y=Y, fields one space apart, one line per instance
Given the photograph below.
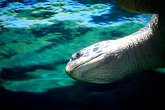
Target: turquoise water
x=38 y=38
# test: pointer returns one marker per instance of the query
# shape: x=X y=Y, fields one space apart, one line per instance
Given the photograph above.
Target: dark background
x=139 y=92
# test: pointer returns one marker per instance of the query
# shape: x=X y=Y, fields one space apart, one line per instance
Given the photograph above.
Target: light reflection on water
x=38 y=39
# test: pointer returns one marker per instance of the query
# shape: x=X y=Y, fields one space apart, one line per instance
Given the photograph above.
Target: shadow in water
x=142 y=91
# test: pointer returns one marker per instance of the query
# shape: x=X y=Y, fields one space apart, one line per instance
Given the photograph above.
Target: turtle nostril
x=77 y=55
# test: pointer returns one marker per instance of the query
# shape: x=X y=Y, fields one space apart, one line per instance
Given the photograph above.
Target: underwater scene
x=37 y=39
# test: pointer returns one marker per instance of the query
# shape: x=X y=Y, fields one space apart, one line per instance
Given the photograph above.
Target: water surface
x=37 y=38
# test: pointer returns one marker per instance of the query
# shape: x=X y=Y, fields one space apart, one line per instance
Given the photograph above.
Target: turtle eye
x=77 y=55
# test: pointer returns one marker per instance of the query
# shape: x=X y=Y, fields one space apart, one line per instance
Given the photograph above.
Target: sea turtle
x=113 y=60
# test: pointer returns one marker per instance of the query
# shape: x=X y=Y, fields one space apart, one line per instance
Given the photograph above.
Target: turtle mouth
x=70 y=69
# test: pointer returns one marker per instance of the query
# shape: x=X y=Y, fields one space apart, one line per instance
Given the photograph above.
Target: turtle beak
x=73 y=62
x=68 y=69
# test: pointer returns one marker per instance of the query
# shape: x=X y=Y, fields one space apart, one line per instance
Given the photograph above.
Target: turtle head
x=97 y=63
x=109 y=61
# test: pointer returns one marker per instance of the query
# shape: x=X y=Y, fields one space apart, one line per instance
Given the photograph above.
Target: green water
x=38 y=37
x=36 y=41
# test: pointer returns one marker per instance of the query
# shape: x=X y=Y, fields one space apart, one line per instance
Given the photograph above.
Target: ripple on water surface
x=38 y=39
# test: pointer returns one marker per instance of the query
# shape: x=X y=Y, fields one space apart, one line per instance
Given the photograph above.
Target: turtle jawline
x=84 y=64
